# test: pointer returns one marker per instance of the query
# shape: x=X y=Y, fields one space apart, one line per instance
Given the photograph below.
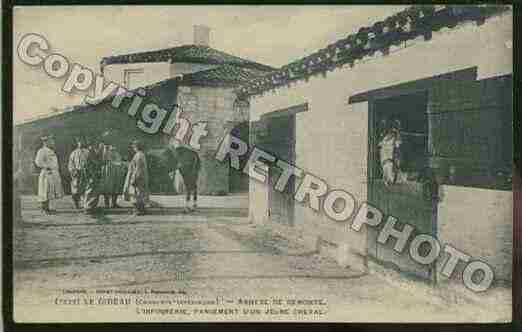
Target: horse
x=187 y=161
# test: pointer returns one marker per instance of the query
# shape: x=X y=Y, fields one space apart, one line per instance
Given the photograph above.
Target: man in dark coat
x=93 y=174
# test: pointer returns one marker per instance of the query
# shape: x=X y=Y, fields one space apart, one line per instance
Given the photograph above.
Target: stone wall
x=217 y=107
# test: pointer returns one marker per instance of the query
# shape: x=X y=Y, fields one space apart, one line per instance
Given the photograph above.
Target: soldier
x=112 y=176
x=78 y=170
x=136 y=188
x=93 y=170
x=49 y=181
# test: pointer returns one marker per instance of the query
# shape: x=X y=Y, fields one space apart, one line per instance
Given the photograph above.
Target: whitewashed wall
x=332 y=135
x=153 y=72
x=478 y=222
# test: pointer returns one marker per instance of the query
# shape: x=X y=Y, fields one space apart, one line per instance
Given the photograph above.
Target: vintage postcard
x=262 y=163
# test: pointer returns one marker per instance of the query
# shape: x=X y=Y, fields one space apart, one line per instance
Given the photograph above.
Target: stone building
x=446 y=73
x=196 y=79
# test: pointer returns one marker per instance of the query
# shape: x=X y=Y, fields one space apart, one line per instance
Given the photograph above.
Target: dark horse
x=188 y=163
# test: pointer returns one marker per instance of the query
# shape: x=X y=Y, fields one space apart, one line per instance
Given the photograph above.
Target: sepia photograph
x=262 y=163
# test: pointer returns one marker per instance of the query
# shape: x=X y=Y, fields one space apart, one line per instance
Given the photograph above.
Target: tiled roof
x=225 y=75
x=414 y=21
x=185 y=53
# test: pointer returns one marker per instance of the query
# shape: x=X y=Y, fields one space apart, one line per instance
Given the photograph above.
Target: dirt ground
x=210 y=265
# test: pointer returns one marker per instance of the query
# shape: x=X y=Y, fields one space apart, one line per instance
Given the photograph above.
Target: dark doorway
x=275 y=133
x=238 y=181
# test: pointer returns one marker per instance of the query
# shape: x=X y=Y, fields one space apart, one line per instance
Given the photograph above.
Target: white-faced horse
x=187 y=161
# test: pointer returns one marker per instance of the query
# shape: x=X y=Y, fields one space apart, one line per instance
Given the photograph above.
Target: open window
x=407 y=115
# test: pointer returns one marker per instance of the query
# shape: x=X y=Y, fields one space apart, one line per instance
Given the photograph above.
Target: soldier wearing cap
x=78 y=170
x=136 y=188
x=49 y=181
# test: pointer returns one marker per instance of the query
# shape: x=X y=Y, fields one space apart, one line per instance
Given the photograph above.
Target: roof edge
x=242 y=62
x=408 y=24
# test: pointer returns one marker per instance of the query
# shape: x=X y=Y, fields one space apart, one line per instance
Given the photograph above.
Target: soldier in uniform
x=112 y=176
x=78 y=170
x=136 y=187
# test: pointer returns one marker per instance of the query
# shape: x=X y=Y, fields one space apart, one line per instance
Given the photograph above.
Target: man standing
x=136 y=188
x=93 y=171
x=49 y=181
x=112 y=176
x=389 y=145
x=78 y=170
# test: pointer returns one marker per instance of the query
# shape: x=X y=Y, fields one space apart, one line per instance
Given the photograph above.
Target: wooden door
x=409 y=201
x=276 y=135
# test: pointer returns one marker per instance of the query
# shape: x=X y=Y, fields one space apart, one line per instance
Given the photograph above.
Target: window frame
x=127 y=73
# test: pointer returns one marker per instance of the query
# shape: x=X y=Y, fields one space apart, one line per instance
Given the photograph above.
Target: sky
x=273 y=35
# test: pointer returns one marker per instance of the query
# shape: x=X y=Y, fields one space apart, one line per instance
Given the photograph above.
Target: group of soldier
x=96 y=169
